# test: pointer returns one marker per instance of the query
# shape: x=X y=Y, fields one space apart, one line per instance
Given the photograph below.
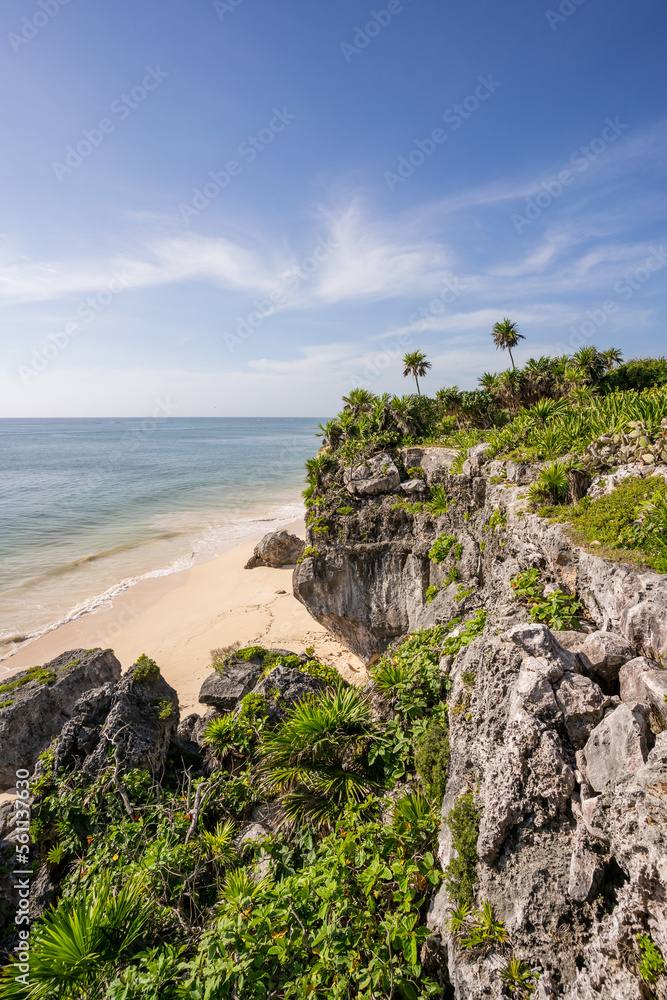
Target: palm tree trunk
x=511 y=358
x=417 y=382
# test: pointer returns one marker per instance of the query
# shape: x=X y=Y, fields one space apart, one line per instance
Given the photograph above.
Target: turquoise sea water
x=87 y=507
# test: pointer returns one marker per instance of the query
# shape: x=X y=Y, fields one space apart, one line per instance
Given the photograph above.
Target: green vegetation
x=432 y=757
x=33 y=674
x=270 y=659
x=415 y=364
x=630 y=519
x=651 y=963
x=519 y=979
x=506 y=336
x=557 y=609
x=432 y=592
x=461 y=872
x=161 y=901
x=146 y=670
x=438 y=504
x=441 y=548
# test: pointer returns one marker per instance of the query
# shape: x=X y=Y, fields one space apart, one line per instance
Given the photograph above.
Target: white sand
x=177 y=620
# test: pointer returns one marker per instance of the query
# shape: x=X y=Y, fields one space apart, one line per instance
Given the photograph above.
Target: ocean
x=90 y=506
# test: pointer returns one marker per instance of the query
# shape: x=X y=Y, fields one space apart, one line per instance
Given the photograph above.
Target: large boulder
x=40 y=701
x=226 y=689
x=277 y=549
x=642 y=680
x=616 y=748
x=141 y=723
x=284 y=687
x=604 y=653
x=582 y=703
x=377 y=475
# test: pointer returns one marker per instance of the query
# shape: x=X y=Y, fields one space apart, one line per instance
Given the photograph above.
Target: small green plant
x=557 y=609
x=518 y=978
x=411 y=507
x=165 y=709
x=441 y=548
x=462 y=593
x=497 y=520
x=482 y=929
x=458 y=550
x=56 y=854
x=552 y=484
x=145 y=670
x=431 y=592
x=310 y=552
x=438 y=504
x=452 y=576
x=345 y=511
x=461 y=872
x=415 y=472
x=651 y=964
x=33 y=674
x=468 y=677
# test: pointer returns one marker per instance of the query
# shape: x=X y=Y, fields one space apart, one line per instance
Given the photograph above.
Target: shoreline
x=178 y=619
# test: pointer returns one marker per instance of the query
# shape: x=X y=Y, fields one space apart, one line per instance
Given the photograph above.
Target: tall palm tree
x=506 y=336
x=415 y=364
x=613 y=357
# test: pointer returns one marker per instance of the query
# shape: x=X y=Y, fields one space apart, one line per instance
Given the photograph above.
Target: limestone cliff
x=560 y=737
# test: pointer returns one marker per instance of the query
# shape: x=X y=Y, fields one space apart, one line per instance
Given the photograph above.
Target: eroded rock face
x=642 y=680
x=604 y=653
x=278 y=548
x=39 y=709
x=616 y=749
x=378 y=475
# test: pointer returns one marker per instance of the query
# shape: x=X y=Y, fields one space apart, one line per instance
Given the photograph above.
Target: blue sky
x=247 y=207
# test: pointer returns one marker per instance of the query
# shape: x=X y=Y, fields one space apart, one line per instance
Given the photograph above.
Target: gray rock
x=187 y=725
x=224 y=690
x=587 y=867
x=616 y=748
x=278 y=548
x=604 y=653
x=284 y=687
x=139 y=728
x=582 y=703
x=436 y=463
x=40 y=708
x=473 y=463
x=413 y=486
x=377 y=475
x=642 y=680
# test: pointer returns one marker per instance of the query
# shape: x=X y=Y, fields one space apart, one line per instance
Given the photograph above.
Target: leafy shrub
x=441 y=548
x=632 y=517
x=557 y=609
x=651 y=963
x=461 y=872
x=431 y=592
x=146 y=670
x=552 y=484
x=415 y=472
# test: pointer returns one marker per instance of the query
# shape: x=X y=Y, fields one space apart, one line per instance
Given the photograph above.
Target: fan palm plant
x=506 y=336
x=415 y=364
x=359 y=401
x=324 y=755
x=75 y=946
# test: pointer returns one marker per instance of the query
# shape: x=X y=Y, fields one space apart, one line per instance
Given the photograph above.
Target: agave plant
x=324 y=755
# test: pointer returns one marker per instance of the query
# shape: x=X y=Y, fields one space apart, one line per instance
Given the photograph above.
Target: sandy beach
x=177 y=620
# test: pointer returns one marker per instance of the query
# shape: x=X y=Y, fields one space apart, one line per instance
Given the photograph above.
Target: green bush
x=432 y=757
x=441 y=548
x=461 y=872
x=651 y=963
x=557 y=609
x=145 y=671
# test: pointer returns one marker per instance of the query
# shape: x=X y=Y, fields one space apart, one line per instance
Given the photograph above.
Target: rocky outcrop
x=278 y=548
x=39 y=702
x=129 y=725
x=225 y=689
x=368 y=581
x=377 y=475
x=558 y=737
